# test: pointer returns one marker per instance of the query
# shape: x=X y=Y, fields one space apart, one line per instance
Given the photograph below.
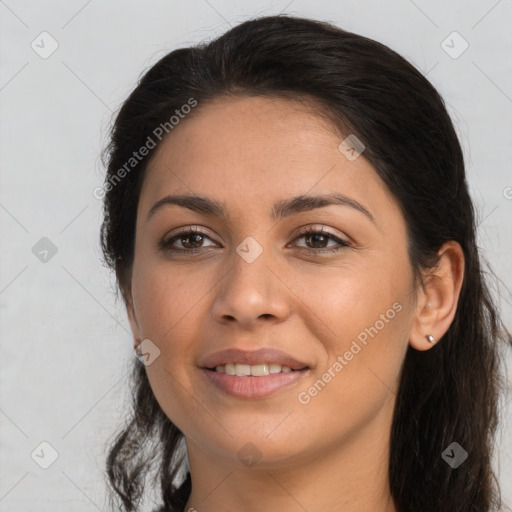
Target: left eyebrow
x=280 y=209
x=303 y=203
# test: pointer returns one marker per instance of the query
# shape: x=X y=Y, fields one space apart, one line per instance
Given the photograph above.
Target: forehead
x=250 y=150
x=264 y=132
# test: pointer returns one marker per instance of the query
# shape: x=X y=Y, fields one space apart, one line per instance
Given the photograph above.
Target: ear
x=130 y=310
x=438 y=297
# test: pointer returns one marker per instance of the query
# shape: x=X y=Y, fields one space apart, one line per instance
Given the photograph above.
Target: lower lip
x=253 y=387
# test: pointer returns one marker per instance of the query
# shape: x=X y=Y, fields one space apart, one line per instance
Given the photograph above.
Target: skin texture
x=331 y=453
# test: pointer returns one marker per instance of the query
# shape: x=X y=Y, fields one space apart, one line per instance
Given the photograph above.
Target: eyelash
x=166 y=245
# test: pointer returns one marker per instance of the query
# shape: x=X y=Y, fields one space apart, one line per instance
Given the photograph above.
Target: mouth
x=252 y=386
x=253 y=370
x=252 y=374
x=264 y=361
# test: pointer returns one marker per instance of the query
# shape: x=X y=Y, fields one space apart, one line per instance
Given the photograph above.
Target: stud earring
x=430 y=338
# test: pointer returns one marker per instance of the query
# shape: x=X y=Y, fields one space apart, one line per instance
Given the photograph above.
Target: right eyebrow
x=195 y=203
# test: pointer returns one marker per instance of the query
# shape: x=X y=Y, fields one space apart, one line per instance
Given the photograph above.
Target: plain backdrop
x=65 y=341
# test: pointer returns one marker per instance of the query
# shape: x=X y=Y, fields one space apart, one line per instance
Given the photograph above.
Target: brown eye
x=191 y=240
x=317 y=240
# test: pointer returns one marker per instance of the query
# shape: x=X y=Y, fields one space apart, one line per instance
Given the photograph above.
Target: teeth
x=274 y=368
x=242 y=369
x=258 y=370
x=228 y=368
x=255 y=370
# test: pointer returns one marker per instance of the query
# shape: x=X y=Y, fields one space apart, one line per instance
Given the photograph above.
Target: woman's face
x=337 y=305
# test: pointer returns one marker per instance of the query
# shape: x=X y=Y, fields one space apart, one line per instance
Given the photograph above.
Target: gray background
x=65 y=342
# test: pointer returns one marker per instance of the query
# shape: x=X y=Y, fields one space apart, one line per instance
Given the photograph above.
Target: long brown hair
x=447 y=394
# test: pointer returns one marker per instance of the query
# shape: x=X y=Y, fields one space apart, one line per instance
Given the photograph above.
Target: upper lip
x=260 y=356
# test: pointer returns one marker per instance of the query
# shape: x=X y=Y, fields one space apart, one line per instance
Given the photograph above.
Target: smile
x=252 y=374
x=249 y=386
x=255 y=370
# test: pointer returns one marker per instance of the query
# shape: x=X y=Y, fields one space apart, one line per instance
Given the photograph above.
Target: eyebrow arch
x=280 y=209
x=304 y=203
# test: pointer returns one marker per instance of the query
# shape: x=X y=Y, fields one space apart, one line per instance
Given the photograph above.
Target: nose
x=251 y=293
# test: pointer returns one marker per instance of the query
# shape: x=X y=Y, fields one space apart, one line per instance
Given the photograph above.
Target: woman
x=288 y=218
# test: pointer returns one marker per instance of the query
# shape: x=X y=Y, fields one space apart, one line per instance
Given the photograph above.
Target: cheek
x=366 y=307
x=164 y=299
x=167 y=307
x=344 y=300
x=363 y=357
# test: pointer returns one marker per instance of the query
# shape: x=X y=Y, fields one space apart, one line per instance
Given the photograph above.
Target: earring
x=430 y=338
